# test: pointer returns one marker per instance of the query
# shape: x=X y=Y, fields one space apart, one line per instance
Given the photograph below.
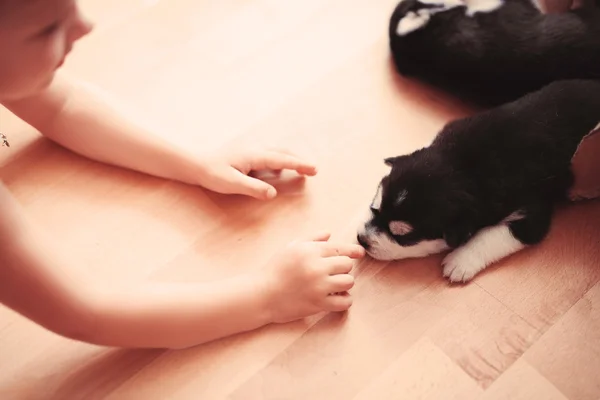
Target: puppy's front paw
x=459 y=267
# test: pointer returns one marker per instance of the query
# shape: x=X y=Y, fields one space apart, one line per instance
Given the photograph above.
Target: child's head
x=35 y=37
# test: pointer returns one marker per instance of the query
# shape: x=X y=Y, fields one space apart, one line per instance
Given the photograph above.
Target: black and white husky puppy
x=489 y=52
x=487 y=185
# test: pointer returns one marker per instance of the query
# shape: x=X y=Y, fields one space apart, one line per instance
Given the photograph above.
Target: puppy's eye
x=400 y=228
x=374 y=211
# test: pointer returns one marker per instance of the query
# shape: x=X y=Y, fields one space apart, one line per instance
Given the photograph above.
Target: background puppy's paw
x=458 y=268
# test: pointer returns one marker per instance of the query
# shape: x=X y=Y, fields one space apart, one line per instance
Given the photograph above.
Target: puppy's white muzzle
x=380 y=246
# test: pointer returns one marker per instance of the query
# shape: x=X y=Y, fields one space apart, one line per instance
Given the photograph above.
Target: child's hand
x=308 y=277
x=228 y=172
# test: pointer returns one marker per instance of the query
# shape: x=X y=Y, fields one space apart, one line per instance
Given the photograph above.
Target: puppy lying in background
x=487 y=185
x=490 y=52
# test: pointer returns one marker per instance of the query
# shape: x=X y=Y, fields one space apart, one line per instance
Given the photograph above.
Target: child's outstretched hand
x=228 y=172
x=308 y=277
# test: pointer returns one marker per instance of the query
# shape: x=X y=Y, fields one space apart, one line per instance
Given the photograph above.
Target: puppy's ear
x=390 y=161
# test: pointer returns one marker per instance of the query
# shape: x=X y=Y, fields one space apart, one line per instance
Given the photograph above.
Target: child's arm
x=48 y=288
x=77 y=117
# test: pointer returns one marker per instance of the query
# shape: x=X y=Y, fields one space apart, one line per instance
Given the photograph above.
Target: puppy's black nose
x=362 y=240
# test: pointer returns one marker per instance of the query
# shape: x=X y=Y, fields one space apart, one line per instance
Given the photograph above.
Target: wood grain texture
x=522 y=382
x=315 y=77
x=569 y=353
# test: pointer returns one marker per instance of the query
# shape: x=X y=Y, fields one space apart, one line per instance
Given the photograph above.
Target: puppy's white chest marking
x=414 y=20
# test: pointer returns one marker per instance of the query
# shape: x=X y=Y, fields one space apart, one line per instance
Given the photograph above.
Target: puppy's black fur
x=494 y=57
x=479 y=170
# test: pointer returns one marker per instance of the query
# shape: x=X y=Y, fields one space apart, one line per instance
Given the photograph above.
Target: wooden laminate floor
x=313 y=76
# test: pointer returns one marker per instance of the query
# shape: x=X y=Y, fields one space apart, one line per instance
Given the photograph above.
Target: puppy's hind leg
x=493 y=243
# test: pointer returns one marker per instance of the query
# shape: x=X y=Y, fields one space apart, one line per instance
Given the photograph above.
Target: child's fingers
x=253 y=187
x=322 y=236
x=342 y=249
x=340 y=283
x=339 y=265
x=338 y=302
x=279 y=161
x=310 y=167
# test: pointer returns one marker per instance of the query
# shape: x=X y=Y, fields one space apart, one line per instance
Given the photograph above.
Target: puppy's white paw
x=459 y=267
x=489 y=245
